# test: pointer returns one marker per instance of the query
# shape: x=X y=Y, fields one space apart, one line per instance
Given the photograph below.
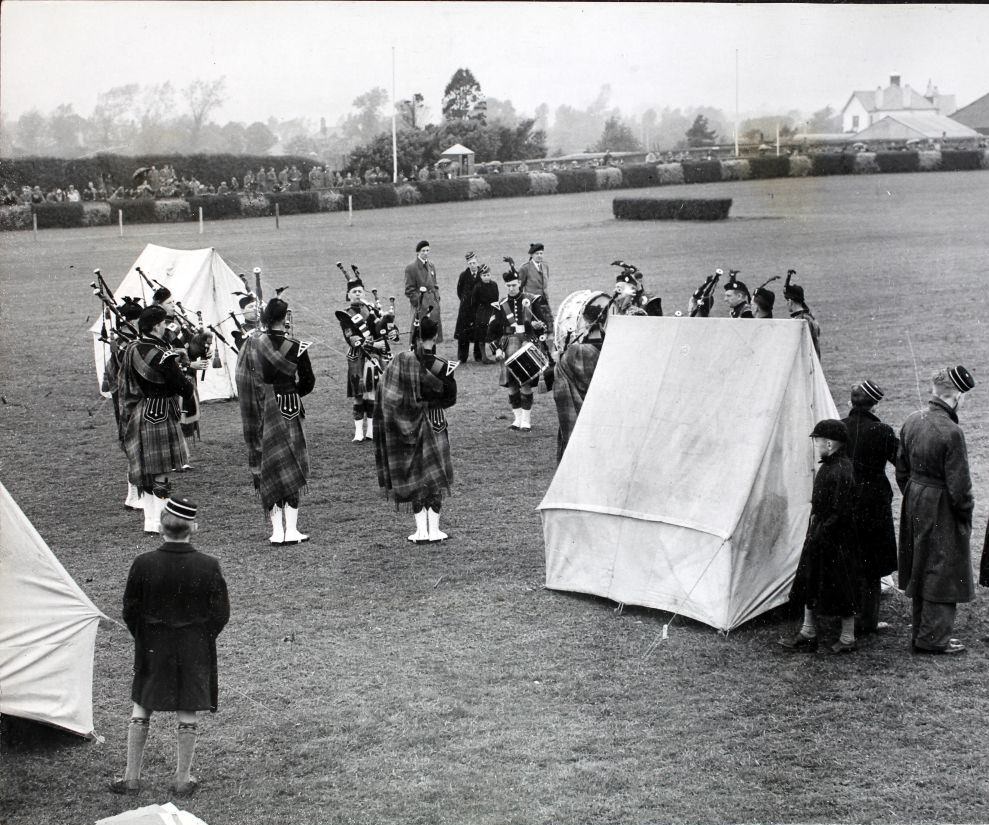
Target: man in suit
x=534 y=277
x=421 y=287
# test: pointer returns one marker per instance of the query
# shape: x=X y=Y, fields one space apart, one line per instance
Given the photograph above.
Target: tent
x=200 y=280
x=686 y=483
x=47 y=630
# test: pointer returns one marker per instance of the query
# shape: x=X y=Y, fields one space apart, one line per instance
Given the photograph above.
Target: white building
x=865 y=108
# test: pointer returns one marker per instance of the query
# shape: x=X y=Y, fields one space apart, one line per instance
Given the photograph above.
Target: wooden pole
x=350 y=210
x=120 y=221
x=34 y=221
x=276 y=214
x=200 y=220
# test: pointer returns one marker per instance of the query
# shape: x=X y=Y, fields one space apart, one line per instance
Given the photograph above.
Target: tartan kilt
x=284 y=454
x=362 y=376
x=153 y=448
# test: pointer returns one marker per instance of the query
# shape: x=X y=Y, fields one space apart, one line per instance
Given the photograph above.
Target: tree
x=363 y=126
x=521 y=143
x=463 y=99
x=419 y=147
x=258 y=138
x=234 y=138
x=700 y=134
x=66 y=129
x=649 y=119
x=107 y=121
x=617 y=137
x=574 y=130
x=203 y=97
x=155 y=104
x=501 y=111
x=31 y=133
x=825 y=121
x=412 y=111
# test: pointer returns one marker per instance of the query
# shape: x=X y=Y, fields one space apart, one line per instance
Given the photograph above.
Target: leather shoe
x=798 y=642
x=125 y=787
x=185 y=790
x=953 y=647
x=843 y=647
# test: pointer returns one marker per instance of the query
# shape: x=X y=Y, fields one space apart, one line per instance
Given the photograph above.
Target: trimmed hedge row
x=51 y=173
x=381 y=196
x=671 y=209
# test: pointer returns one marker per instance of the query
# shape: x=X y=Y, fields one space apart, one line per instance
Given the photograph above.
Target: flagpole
x=394 y=134
x=736 y=103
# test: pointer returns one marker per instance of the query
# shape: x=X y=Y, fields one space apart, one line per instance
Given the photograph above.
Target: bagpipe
x=354 y=325
x=645 y=304
x=122 y=328
x=703 y=296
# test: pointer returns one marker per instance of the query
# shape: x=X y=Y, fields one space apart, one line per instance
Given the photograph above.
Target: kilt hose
x=153 y=441
x=284 y=454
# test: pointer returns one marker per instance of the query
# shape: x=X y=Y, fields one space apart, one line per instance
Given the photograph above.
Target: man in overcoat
x=935 y=564
x=175 y=605
x=422 y=289
x=871 y=444
x=464 y=332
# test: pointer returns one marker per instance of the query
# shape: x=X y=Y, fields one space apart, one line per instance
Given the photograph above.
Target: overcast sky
x=311 y=59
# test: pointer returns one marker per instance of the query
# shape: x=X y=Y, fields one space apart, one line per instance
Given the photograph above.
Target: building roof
x=457 y=149
x=916 y=125
x=892 y=98
x=975 y=115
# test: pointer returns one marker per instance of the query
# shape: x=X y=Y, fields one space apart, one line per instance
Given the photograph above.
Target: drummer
x=520 y=319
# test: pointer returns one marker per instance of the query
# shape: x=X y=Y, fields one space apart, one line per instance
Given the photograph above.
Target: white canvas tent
x=200 y=280
x=47 y=630
x=686 y=483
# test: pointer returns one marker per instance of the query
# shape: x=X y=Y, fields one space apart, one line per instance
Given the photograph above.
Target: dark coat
x=485 y=294
x=827 y=572
x=175 y=605
x=984 y=566
x=871 y=444
x=465 y=315
x=419 y=274
x=935 y=559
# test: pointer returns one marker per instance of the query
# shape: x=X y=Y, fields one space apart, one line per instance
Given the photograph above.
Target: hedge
x=175 y=210
x=139 y=210
x=51 y=173
x=735 y=170
x=479 y=188
x=509 y=185
x=409 y=195
x=832 y=164
x=98 y=213
x=608 y=177
x=542 y=183
x=575 y=180
x=668 y=209
x=800 y=166
x=295 y=203
x=769 y=166
x=255 y=206
x=928 y=160
x=215 y=207
x=958 y=160
x=442 y=191
x=865 y=164
x=58 y=215
x=701 y=171
x=898 y=161
x=642 y=174
x=15 y=217
x=670 y=173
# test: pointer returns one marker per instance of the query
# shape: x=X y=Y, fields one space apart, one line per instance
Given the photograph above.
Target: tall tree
x=617 y=137
x=700 y=133
x=502 y=112
x=412 y=111
x=109 y=115
x=524 y=142
x=825 y=121
x=66 y=130
x=203 y=96
x=258 y=138
x=32 y=134
x=368 y=121
x=155 y=104
x=463 y=99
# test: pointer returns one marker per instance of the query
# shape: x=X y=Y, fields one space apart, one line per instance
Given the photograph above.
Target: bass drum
x=570 y=322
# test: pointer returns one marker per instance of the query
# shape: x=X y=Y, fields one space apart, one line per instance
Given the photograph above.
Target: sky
x=311 y=59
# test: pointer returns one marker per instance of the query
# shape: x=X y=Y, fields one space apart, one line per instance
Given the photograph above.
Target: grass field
x=363 y=680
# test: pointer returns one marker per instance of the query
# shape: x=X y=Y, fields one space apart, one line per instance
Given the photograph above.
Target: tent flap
x=47 y=630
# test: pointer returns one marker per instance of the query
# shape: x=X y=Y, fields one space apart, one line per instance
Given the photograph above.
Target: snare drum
x=527 y=364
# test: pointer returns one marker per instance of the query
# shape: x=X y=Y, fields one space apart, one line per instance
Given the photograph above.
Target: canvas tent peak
x=201 y=280
x=695 y=498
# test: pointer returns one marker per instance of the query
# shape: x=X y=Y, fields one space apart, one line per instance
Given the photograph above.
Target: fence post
x=200 y=220
x=276 y=214
x=120 y=221
x=34 y=221
x=350 y=210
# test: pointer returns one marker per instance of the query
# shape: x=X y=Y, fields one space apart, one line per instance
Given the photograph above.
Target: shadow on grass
x=26 y=736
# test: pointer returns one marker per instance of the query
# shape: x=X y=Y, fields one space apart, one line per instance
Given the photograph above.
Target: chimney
x=894 y=80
